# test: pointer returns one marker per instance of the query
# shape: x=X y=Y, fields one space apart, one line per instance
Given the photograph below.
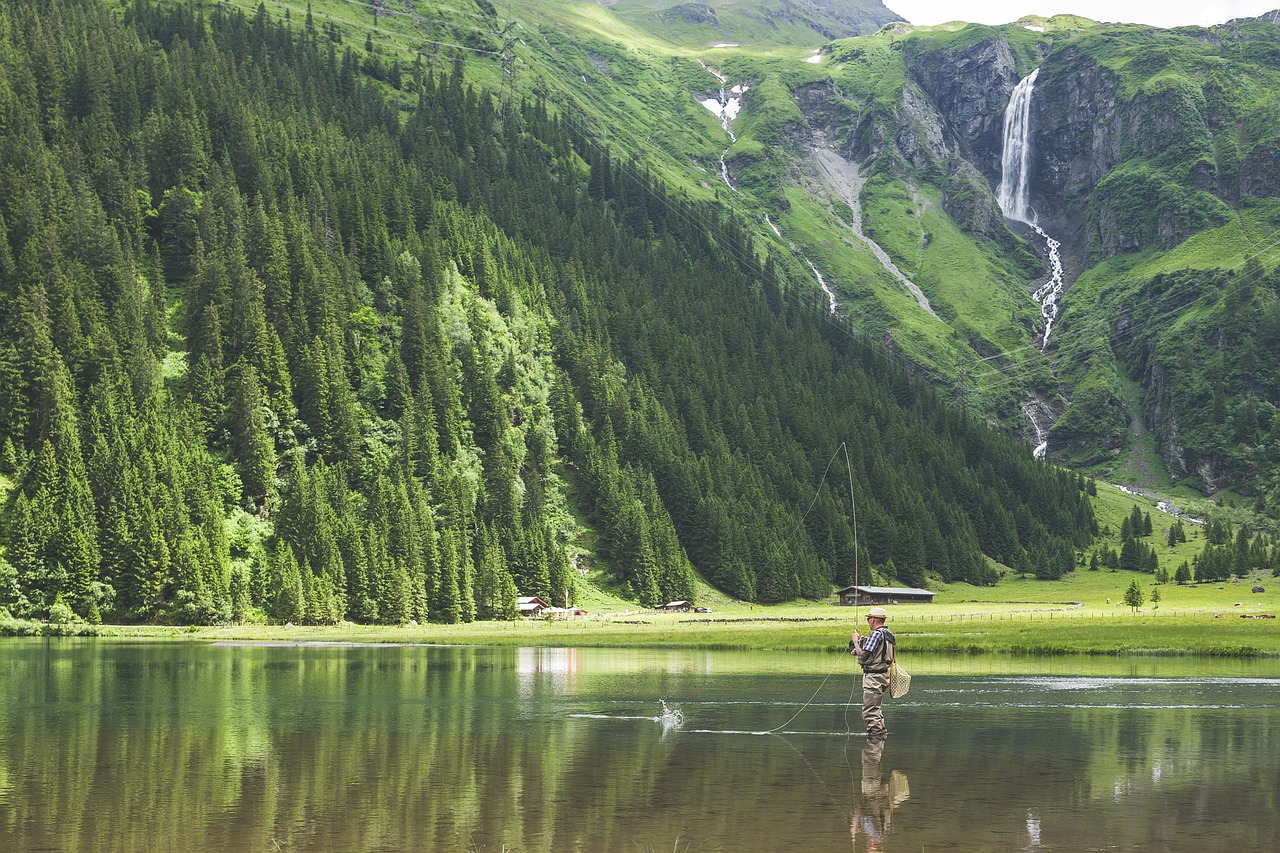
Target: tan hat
x=877 y=612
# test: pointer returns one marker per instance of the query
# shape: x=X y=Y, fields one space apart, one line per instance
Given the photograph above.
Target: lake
x=110 y=745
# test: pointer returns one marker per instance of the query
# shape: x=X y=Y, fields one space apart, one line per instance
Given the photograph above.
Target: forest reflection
x=152 y=746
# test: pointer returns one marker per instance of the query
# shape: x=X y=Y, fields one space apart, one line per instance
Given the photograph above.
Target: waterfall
x=1014 y=196
x=726 y=108
x=822 y=282
x=817 y=273
x=1014 y=193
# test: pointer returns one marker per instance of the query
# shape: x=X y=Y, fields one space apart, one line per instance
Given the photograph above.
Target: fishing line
x=853 y=506
x=806 y=704
x=817 y=492
x=825 y=787
x=847 y=763
x=843 y=448
x=853 y=687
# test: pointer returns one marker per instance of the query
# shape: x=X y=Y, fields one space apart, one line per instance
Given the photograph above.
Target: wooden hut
x=863 y=595
x=530 y=606
x=573 y=612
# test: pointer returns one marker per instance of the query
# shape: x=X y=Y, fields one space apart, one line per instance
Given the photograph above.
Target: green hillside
x=1194 y=104
x=285 y=344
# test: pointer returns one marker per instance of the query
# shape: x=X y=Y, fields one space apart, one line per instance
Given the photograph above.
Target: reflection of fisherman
x=875 y=653
x=873 y=816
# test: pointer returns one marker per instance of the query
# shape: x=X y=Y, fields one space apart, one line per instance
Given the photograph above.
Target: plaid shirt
x=875 y=638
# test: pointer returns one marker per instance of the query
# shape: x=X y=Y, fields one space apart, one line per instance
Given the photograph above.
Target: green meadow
x=1082 y=614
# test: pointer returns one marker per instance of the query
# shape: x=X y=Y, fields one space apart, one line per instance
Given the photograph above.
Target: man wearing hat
x=875 y=654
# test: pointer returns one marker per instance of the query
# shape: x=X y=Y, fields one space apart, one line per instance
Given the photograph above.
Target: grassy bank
x=970 y=627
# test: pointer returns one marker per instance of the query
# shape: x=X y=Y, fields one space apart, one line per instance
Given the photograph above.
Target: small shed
x=856 y=595
x=574 y=612
x=676 y=606
x=531 y=606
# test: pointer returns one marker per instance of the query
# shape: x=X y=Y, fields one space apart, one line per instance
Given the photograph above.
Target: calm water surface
x=118 y=746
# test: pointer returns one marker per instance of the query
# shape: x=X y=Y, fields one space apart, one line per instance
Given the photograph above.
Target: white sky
x=1160 y=13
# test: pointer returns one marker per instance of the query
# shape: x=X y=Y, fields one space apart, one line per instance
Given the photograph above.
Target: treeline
x=1231 y=552
x=1228 y=551
x=279 y=346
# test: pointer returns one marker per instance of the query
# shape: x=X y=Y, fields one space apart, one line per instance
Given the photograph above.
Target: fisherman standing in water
x=875 y=654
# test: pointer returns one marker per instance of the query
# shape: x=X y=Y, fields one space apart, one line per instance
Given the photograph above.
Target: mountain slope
x=286 y=345
x=874 y=161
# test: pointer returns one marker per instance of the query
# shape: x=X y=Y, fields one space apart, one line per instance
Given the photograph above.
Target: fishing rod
x=668 y=713
x=844 y=448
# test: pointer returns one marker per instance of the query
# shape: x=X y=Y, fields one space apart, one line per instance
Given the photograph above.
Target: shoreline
x=1083 y=633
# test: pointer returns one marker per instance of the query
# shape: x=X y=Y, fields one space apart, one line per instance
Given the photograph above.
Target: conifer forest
x=293 y=336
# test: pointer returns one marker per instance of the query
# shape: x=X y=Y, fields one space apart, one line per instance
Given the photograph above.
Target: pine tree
x=446 y=607
x=288 y=596
x=1133 y=595
x=253 y=446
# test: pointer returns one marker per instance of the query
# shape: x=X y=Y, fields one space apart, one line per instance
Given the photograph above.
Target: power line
x=385 y=11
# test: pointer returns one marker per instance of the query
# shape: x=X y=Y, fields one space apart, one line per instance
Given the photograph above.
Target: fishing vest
x=882 y=657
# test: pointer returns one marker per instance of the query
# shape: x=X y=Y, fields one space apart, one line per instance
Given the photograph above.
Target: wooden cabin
x=530 y=606
x=676 y=606
x=863 y=595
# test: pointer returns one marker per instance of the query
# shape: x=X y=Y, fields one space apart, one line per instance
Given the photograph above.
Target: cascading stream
x=832 y=305
x=726 y=108
x=1014 y=194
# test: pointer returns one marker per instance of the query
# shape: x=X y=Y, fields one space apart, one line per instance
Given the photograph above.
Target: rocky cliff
x=1140 y=140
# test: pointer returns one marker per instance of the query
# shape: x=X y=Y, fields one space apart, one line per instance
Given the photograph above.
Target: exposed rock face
x=948 y=126
x=1139 y=141
x=693 y=13
x=1077 y=139
x=920 y=138
x=1260 y=171
x=1112 y=171
x=970 y=88
x=825 y=110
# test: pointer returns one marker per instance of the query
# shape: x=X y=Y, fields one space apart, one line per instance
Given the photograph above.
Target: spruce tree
x=1133 y=595
x=288 y=604
x=253 y=446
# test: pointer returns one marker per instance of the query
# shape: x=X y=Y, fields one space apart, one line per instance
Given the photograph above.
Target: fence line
x=1011 y=615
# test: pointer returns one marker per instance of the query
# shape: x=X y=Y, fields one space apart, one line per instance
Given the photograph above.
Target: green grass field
x=1067 y=617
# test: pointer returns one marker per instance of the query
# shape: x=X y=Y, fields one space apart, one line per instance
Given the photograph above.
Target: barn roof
x=887 y=590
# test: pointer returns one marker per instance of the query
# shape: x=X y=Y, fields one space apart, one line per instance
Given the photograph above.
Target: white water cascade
x=1014 y=194
x=1031 y=412
x=817 y=273
x=726 y=108
x=822 y=283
